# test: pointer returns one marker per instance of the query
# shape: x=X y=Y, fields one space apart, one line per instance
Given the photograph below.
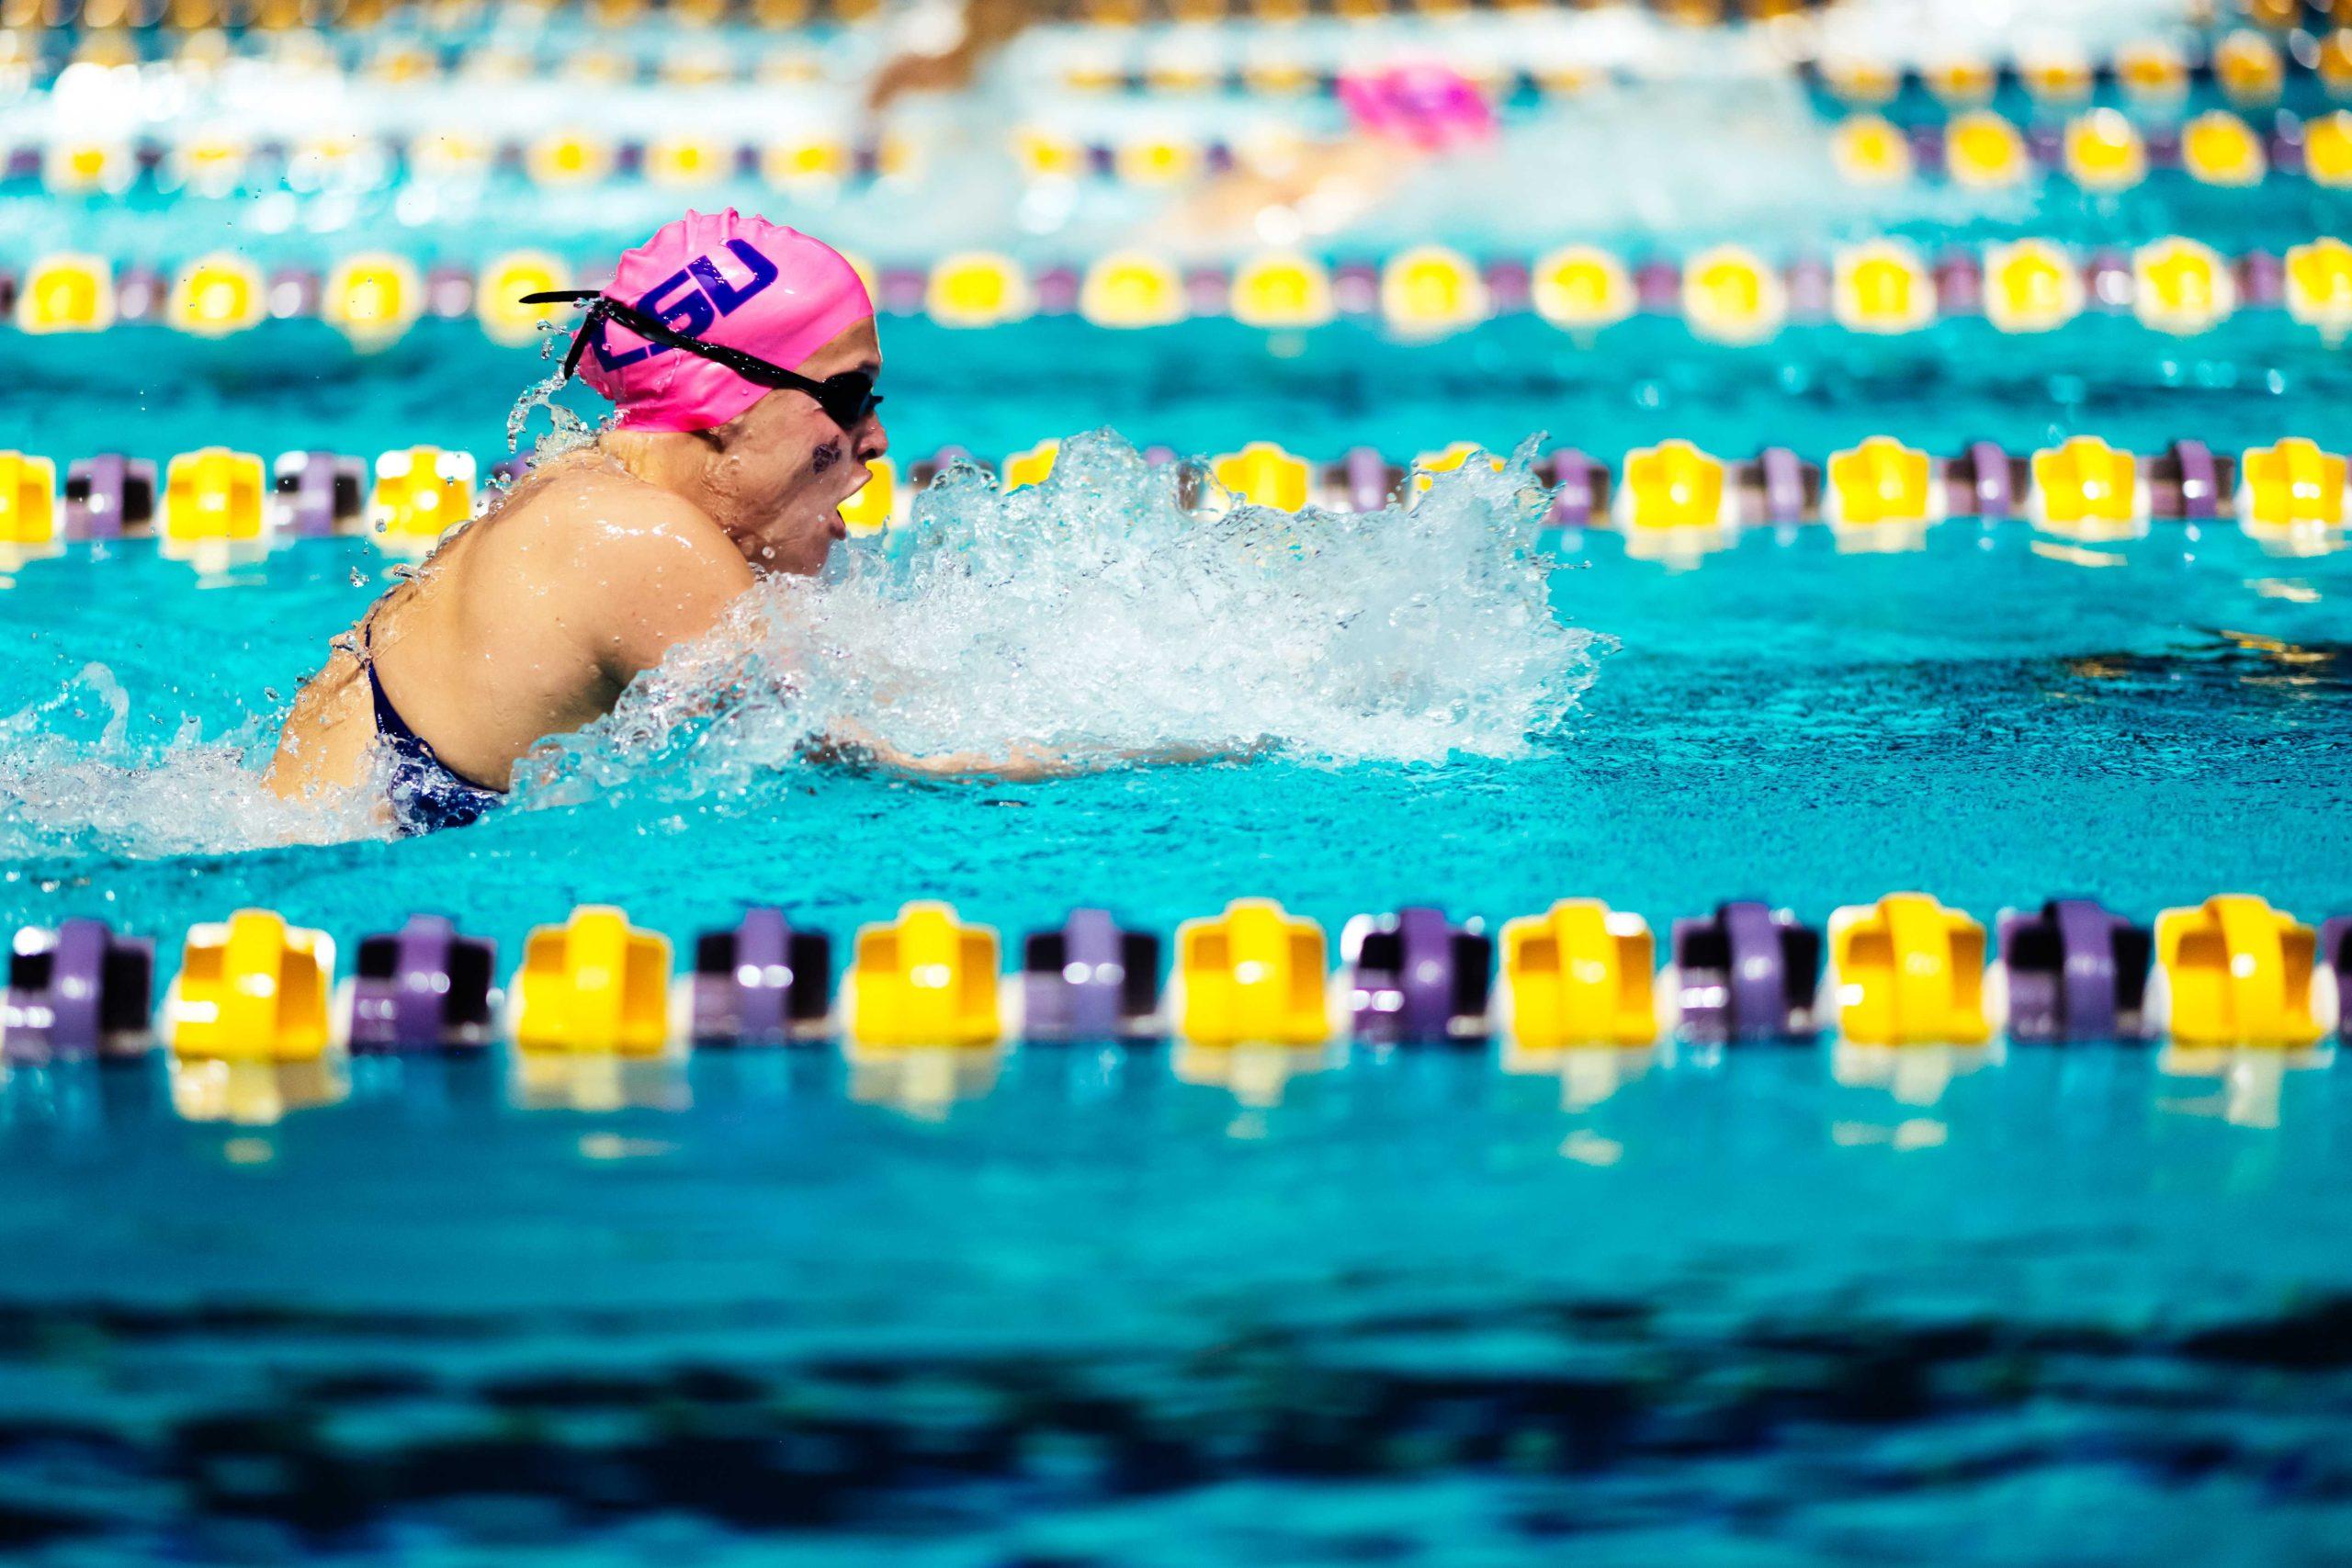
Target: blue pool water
x=1151 y=1305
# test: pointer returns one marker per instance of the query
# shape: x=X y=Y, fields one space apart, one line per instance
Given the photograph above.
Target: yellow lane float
x=2319 y=286
x=1273 y=75
x=1882 y=484
x=1156 y=161
x=2032 y=286
x=1907 y=971
x=66 y=294
x=344 y=159
x=372 y=297
x=1581 y=288
x=212 y=496
x=1265 y=475
x=2334 y=62
x=1861 y=78
x=1882 y=286
x=2249 y=68
x=567 y=158
x=697 y=68
x=1254 y=974
x=1454 y=454
x=2327 y=149
x=686 y=160
x=74 y=168
x=498 y=300
x=27 y=502
x=211 y=163
x=401 y=64
x=1868 y=149
x=2181 y=287
x=2103 y=151
x=2235 y=971
x=874 y=508
x=2087 y=488
x=1273 y=292
x=2151 y=70
x=1674 y=486
x=1431 y=290
x=217 y=295
x=1730 y=296
x=450 y=155
x=1983 y=150
x=594 y=985
x=252 y=988
x=925 y=978
x=1131 y=289
x=2217 y=147
x=798 y=162
x=2291 y=487
x=421 y=493
x=1580 y=974
x=1044 y=154
x=978 y=288
x=2056 y=71
x=1034 y=467
x=1962 y=79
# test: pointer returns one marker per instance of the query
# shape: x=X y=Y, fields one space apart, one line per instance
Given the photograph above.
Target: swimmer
x=1399 y=116
x=742 y=359
x=945 y=46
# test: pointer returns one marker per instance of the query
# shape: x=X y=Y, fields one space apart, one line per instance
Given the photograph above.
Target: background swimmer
x=1399 y=116
x=742 y=427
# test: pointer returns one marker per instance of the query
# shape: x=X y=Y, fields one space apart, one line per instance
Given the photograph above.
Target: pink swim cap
x=1433 y=107
x=743 y=282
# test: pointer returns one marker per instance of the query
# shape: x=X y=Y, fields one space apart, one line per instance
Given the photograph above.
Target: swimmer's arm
x=1022 y=764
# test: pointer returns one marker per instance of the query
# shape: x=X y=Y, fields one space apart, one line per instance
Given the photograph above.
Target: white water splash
x=1099 y=619
x=1095 y=616
x=75 y=781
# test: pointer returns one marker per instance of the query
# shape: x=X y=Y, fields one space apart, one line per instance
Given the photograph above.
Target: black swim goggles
x=847 y=399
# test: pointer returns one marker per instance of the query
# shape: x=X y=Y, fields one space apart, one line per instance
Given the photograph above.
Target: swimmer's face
x=787 y=468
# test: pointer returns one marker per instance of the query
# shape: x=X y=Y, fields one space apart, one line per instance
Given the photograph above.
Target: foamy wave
x=1098 y=618
x=72 y=780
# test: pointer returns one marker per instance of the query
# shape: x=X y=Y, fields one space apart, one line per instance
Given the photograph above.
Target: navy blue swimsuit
x=426 y=792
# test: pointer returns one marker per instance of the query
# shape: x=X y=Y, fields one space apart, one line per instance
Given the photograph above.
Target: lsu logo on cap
x=707 y=296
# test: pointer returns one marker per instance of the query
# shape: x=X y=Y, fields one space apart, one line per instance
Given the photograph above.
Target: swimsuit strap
x=389 y=722
x=426 y=791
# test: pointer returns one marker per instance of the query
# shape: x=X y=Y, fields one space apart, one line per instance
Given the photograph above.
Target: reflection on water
x=559 y=1081
x=2250 y=1080
x=1905 y=1099
x=254 y=1094
x=924 y=1081
x=1256 y=1075
x=1588 y=1074
x=1913 y=1078
x=1911 y=1075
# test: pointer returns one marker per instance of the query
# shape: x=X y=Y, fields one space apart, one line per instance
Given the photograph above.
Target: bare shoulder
x=619 y=567
x=594 y=519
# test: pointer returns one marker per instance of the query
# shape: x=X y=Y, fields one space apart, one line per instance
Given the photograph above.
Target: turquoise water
x=1979 y=719
x=1139 y=1306
x=1147 y=1307
x=1208 y=387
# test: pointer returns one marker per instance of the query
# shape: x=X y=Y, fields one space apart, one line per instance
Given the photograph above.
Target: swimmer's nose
x=873 y=441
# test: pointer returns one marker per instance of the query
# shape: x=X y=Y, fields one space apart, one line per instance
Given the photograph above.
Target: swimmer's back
x=527 y=623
